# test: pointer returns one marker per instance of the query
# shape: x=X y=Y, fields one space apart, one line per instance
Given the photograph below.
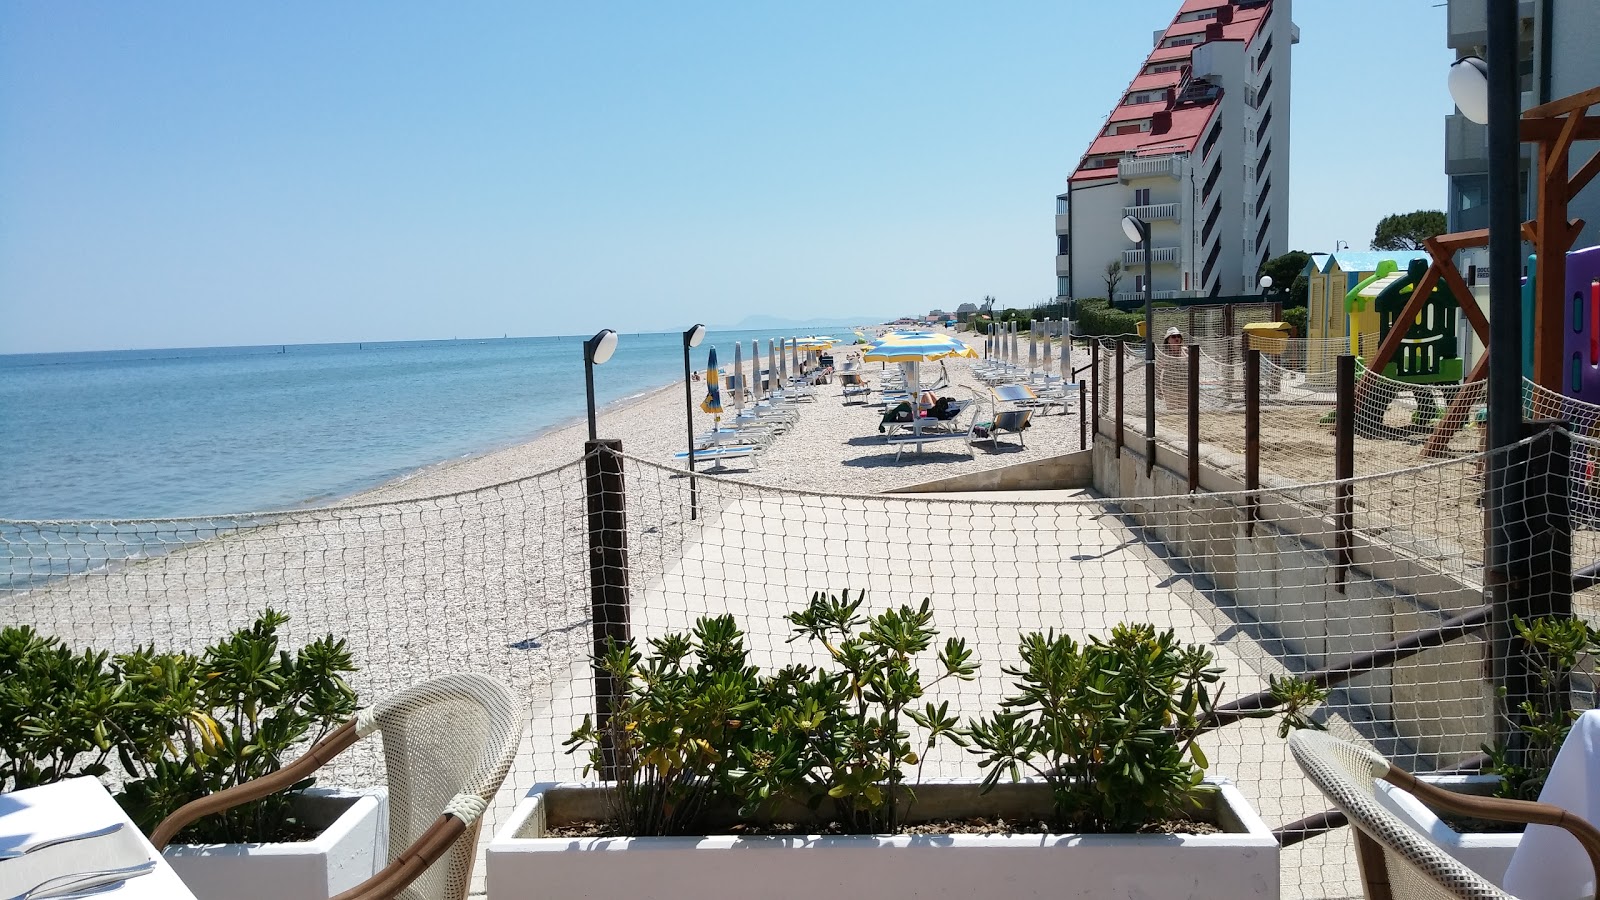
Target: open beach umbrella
x=713 y=402
x=914 y=350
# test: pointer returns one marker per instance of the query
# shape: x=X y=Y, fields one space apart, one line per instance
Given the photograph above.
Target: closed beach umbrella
x=1033 y=345
x=772 y=368
x=783 y=363
x=794 y=348
x=713 y=402
x=1045 y=328
x=737 y=382
x=755 y=370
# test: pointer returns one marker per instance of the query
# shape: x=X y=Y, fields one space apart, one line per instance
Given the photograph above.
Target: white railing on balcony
x=1153 y=211
x=1138 y=296
x=1157 y=255
x=1150 y=166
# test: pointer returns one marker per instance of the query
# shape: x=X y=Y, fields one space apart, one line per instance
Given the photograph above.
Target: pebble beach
x=835 y=446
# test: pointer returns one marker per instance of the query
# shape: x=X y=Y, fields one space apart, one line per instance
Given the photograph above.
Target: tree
x=1113 y=277
x=1288 y=277
x=1407 y=231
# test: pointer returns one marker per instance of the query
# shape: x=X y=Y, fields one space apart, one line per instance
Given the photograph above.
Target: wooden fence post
x=1119 y=366
x=1344 y=464
x=1252 y=437
x=1194 y=418
x=608 y=576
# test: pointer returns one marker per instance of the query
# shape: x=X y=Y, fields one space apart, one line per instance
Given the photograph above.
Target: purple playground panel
x=1581 y=356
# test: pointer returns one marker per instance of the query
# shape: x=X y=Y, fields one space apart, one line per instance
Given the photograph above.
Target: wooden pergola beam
x=1583 y=176
x=1579 y=101
x=1446 y=264
x=1546 y=130
x=1455 y=415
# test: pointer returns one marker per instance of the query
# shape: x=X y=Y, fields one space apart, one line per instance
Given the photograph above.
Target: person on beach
x=1171 y=374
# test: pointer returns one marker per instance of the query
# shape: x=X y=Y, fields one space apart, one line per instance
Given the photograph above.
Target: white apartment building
x=1197 y=146
x=1557 y=56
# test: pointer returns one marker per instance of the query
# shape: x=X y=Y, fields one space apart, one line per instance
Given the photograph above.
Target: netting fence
x=499 y=580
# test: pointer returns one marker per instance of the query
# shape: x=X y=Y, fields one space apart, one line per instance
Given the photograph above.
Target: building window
x=1063 y=286
x=1063 y=205
x=1141 y=197
x=1138 y=284
x=1063 y=244
x=1182 y=40
x=1159 y=68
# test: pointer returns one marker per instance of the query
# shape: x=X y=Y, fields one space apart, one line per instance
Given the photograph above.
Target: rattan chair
x=1395 y=859
x=448 y=744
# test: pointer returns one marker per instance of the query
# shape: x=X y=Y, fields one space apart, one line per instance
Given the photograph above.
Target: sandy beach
x=835 y=447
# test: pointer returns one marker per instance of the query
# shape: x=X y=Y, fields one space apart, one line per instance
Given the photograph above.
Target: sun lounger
x=718 y=455
x=1012 y=420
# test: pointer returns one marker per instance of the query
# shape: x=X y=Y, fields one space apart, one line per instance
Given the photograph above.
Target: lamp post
x=691 y=338
x=1266 y=284
x=596 y=351
x=1138 y=231
x=1486 y=93
x=1340 y=245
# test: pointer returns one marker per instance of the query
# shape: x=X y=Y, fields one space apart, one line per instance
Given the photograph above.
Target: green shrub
x=1297 y=317
x=1097 y=317
x=697 y=727
x=58 y=710
x=1554 y=646
x=181 y=726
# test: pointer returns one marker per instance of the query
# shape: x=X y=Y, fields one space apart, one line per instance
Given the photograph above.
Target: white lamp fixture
x=601 y=346
x=1266 y=282
x=1131 y=226
x=1469 y=88
x=695 y=335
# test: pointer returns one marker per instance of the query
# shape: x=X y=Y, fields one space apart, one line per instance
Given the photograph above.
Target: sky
x=200 y=174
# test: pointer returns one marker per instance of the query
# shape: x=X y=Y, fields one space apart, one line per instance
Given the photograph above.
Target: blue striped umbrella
x=713 y=402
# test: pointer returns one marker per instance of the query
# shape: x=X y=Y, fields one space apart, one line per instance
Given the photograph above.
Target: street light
x=596 y=351
x=1138 y=231
x=1266 y=283
x=691 y=338
x=1340 y=245
x=1486 y=93
x=1469 y=88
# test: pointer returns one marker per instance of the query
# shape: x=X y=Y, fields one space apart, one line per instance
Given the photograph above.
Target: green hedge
x=1296 y=316
x=1096 y=317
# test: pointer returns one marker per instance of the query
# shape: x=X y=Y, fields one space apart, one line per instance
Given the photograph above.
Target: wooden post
x=1252 y=436
x=1083 y=418
x=1194 y=418
x=1344 y=465
x=1536 y=524
x=1277 y=310
x=1119 y=366
x=608 y=576
x=1094 y=383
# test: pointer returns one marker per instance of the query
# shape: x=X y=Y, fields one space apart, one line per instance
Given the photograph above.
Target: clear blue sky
x=183 y=174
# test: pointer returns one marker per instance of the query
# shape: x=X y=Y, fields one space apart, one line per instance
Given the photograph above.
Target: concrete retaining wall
x=1278 y=574
x=1071 y=470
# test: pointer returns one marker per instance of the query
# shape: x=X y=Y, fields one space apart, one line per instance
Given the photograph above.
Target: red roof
x=1187 y=122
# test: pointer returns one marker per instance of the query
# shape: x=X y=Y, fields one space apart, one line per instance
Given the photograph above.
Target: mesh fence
x=498 y=581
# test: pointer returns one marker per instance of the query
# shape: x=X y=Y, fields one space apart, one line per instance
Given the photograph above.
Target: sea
x=185 y=433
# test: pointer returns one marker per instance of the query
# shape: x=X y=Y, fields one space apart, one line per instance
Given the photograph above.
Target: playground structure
x=1329 y=279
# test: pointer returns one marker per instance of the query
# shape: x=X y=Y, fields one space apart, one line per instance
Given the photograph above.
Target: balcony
x=1062 y=223
x=1131 y=297
x=1063 y=265
x=1152 y=212
x=1466 y=149
x=1169 y=166
x=1157 y=255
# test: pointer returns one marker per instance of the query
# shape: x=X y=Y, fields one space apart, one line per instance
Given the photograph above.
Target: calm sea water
x=179 y=433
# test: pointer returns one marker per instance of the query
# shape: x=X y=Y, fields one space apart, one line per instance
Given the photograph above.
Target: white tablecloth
x=70 y=807
x=1550 y=864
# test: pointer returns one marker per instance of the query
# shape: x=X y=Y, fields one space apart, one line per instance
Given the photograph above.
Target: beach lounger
x=717 y=456
x=855 y=388
x=1012 y=420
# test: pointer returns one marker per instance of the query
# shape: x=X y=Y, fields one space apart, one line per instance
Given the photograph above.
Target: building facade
x=1198 y=147
x=1557 y=56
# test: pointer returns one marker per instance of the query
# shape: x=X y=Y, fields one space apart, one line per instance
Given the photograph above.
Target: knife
x=25 y=849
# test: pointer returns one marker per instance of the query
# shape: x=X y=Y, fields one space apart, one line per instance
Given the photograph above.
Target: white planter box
x=353 y=845
x=1241 y=862
x=1487 y=853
